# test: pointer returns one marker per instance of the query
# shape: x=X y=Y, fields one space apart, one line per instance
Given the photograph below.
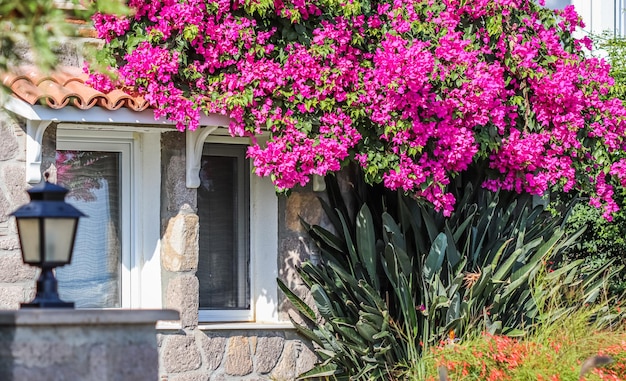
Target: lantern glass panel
x=59 y=237
x=28 y=229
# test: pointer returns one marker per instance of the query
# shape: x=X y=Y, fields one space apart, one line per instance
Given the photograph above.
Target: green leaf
x=366 y=243
x=435 y=257
x=348 y=240
x=367 y=330
x=323 y=302
x=325 y=370
x=300 y=305
x=328 y=238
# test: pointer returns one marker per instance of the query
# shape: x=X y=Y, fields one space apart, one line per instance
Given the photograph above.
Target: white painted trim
x=264 y=248
x=149 y=221
x=245 y=326
x=174 y=325
x=226 y=315
x=97 y=114
x=39 y=117
x=194 y=144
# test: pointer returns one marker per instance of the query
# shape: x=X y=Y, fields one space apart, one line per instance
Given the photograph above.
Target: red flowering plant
x=595 y=356
x=414 y=91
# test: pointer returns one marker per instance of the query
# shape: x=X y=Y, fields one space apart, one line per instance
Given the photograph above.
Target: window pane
x=557 y=4
x=93 y=278
x=223 y=212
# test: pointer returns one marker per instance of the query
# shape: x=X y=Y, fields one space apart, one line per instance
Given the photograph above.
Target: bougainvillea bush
x=414 y=91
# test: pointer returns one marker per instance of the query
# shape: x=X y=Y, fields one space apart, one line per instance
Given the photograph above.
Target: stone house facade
x=158 y=235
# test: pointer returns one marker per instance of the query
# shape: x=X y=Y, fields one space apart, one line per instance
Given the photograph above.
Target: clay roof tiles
x=65 y=86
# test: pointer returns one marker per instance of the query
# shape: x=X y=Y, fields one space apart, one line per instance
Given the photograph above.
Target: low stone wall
x=85 y=345
x=221 y=355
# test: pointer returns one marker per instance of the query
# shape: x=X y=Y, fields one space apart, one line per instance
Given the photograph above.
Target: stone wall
x=85 y=345
x=198 y=355
x=16 y=279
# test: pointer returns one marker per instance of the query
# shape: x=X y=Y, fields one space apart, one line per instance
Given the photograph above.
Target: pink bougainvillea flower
x=415 y=92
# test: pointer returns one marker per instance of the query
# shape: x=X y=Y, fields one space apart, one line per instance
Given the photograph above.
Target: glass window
x=93 y=279
x=557 y=4
x=114 y=177
x=223 y=210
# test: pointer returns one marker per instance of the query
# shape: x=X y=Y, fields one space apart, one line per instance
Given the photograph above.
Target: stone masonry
x=16 y=279
x=198 y=355
x=86 y=345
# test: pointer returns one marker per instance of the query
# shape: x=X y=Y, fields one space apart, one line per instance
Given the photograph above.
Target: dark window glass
x=223 y=209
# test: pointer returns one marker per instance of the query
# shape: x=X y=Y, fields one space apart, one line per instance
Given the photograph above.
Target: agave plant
x=391 y=284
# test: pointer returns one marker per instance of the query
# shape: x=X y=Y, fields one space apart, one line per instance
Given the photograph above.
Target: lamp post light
x=46 y=227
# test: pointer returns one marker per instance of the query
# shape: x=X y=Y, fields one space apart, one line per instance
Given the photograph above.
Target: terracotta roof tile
x=63 y=87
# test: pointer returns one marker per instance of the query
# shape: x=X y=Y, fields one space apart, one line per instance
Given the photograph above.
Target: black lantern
x=46 y=227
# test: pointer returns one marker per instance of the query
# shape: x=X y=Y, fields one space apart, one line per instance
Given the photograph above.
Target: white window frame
x=141 y=184
x=263 y=251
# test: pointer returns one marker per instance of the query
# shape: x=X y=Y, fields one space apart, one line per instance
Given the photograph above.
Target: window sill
x=175 y=325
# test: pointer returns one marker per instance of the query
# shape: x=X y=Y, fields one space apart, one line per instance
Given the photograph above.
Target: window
x=116 y=260
x=93 y=279
x=238 y=237
x=557 y=4
x=223 y=210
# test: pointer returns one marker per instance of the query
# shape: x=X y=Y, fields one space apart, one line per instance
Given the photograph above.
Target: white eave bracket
x=34 y=131
x=195 y=143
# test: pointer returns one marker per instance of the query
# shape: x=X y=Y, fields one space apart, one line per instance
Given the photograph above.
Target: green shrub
x=395 y=282
x=602 y=241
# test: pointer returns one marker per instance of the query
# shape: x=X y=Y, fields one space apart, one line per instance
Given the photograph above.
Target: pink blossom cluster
x=414 y=91
x=110 y=26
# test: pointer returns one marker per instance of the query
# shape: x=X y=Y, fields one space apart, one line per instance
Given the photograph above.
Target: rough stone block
x=302 y=204
x=180 y=243
x=8 y=143
x=268 y=352
x=238 y=357
x=306 y=359
x=213 y=349
x=5 y=208
x=9 y=243
x=183 y=295
x=174 y=161
x=13 y=269
x=180 y=354
x=286 y=367
x=12 y=295
x=68 y=54
x=13 y=176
